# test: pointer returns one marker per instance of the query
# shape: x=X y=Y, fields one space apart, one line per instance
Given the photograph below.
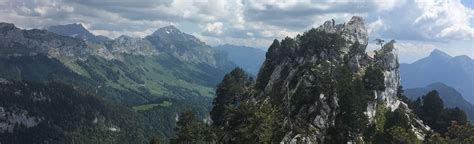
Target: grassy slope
x=150 y=106
x=146 y=77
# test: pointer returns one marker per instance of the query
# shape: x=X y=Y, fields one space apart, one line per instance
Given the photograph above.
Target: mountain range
x=138 y=74
x=456 y=72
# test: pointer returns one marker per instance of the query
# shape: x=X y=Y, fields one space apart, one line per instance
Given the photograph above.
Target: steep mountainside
x=248 y=58
x=168 y=63
x=78 y=31
x=456 y=72
x=328 y=90
x=132 y=72
x=450 y=96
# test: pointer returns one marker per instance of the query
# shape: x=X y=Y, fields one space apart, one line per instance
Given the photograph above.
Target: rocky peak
x=388 y=56
x=353 y=31
x=439 y=54
x=170 y=35
x=76 y=30
x=173 y=34
x=171 y=40
x=6 y=27
x=168 y=30
x=300 y=75
x=9 y=30
x=69 y=29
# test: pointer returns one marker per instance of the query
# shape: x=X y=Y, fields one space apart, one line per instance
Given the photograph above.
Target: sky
x=418 y=26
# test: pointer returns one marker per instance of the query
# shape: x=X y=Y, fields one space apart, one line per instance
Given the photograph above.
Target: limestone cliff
x=300 y=75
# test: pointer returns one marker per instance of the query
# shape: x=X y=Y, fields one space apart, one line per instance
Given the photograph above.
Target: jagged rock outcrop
x=301 y=74
x=387 y=58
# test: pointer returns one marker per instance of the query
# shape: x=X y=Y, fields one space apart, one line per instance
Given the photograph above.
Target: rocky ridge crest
x=166 y=40
x=299 y=75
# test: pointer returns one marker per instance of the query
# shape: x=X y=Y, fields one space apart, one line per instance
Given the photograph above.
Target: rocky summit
x=322 y=80
x=77 y=30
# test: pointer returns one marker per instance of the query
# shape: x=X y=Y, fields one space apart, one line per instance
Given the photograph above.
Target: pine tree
x=432 y=108
x=449 y=117
x=228 y=94
x=252 y=123
x=189 y=129
x=374 y=78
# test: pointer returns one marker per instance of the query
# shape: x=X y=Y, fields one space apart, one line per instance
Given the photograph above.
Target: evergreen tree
x=416 y=107
x=432 y=108
x=401 y=135
x=252 y=123
x=189 y=129
x=229 y=93
x=461 y=133
x=374 y=78
x=448 y=117
x=353 y=99
x=397 y=118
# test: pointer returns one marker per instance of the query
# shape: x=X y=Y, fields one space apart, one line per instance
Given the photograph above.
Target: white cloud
x=252 y=42
x=215 y=27
x=445 y=19
x=374 y=26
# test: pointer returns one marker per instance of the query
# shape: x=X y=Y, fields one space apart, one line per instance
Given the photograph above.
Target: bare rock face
x=114 y=49
x=299 y=74
x=388 y=59
x=353 y=31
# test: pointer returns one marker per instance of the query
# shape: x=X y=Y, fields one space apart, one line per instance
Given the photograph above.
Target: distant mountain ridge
x=76 y=30
x=133 y=72
x=125 y=63
x=456 y=72
x=449 y=95
x=248 y=58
